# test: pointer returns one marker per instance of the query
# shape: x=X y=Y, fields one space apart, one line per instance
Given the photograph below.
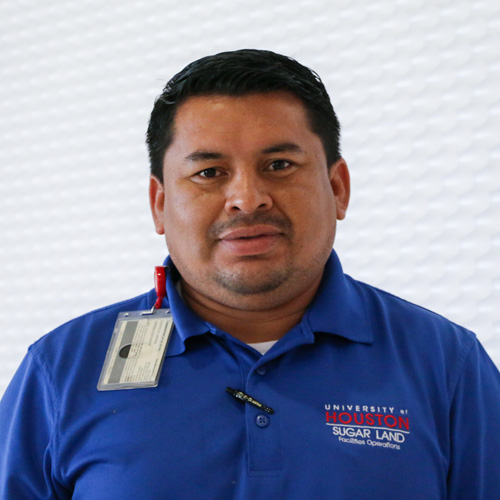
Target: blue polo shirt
x=373 y=398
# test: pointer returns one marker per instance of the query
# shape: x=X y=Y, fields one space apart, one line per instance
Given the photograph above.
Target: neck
x=250 y=325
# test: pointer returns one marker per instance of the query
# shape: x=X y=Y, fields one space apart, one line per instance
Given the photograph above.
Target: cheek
x=176 y=207
x=313 y=208
x=187 y=219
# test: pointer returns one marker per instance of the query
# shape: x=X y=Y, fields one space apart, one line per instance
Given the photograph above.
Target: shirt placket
x=263 y=432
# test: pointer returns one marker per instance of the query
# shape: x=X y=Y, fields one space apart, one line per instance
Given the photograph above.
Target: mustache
x=278 y=221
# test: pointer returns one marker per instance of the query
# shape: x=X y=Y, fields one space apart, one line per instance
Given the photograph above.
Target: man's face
x=248 y=206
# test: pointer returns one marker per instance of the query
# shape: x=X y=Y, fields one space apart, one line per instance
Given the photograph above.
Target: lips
x=249 y=232
x=250 y=240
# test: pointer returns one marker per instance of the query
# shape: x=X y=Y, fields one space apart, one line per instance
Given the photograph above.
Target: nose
x=247 y=193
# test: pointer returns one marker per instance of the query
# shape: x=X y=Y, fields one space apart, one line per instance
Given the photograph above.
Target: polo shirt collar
x=187 y=323
x=337 y=309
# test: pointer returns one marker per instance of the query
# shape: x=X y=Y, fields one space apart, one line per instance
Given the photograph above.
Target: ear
x=341 y=186
x=156 y=202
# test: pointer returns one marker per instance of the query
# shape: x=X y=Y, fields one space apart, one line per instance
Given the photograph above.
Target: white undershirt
x=263 y=347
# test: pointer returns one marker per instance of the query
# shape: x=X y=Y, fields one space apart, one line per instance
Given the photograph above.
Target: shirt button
x=262 y=420
x=261 y=370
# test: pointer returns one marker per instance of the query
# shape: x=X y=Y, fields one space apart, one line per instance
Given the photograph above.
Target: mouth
x=250 y=240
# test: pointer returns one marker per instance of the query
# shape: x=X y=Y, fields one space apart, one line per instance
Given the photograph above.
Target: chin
x=252 y=285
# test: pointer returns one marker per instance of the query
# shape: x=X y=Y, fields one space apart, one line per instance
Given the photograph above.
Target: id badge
x=137 y=349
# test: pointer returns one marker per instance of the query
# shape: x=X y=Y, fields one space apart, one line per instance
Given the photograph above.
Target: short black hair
x=237 y=73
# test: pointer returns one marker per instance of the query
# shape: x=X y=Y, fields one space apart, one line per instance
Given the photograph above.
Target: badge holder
x=137 y=349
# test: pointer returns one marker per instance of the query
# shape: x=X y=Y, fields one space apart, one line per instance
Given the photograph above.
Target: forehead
x=242 y=119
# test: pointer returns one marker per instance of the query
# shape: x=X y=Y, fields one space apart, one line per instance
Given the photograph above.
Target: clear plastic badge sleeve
x=137 y=349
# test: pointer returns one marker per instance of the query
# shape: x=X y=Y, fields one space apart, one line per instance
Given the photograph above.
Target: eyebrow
x=282 y=147
x=204 y=155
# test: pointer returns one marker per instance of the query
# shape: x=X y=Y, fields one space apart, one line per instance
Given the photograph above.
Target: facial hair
x=272 y=279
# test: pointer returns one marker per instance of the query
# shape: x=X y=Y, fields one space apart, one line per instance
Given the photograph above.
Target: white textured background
x=416 y=86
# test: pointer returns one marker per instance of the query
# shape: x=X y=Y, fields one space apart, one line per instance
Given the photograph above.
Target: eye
x=277 y=165
x=209 y=173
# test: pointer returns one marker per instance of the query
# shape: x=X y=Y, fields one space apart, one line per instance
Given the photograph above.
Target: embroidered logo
x=368 y=425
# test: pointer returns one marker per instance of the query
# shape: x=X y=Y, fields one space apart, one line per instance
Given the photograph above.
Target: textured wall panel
x=416 y=89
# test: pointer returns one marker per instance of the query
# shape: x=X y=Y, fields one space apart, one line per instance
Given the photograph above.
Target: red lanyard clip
x=160 y=285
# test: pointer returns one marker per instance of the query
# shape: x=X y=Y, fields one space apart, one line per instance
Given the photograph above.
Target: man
x=283 y=378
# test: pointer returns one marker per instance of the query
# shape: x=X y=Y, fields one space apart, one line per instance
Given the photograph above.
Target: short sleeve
x=475 y=430
x=27 y=420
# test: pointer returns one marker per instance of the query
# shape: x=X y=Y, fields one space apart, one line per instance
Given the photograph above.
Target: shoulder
x=418 y=335
x=92 y=321
x=389 y=310
x=83 y=341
